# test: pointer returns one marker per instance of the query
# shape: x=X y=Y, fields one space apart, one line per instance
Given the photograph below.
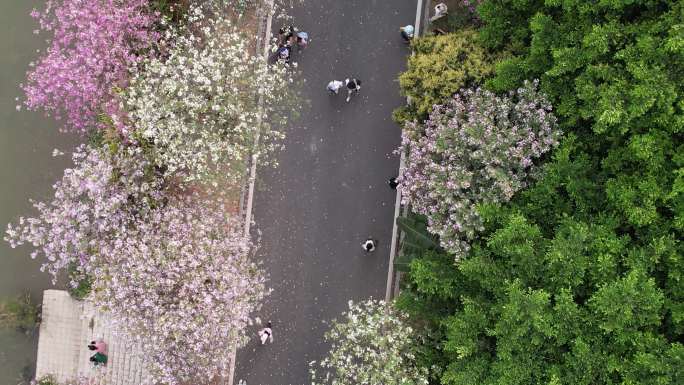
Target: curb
x=393 y=279
x=262 y=37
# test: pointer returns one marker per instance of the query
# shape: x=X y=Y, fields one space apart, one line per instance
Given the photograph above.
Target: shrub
x=441 y=66
x=478 y=148
x=20 y=313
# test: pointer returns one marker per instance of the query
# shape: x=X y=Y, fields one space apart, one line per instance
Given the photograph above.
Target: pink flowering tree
x=169 y=265
x=93 y=203
x=93 y=45
x=477 y=148
x=182 y=284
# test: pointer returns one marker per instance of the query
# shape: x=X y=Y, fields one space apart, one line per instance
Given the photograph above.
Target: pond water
x=27 y=171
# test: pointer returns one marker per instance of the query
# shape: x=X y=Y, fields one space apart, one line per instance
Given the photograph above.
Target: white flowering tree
x=197 y=107
x=371 y=345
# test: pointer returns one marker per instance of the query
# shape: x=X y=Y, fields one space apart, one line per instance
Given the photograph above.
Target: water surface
x=27 y=171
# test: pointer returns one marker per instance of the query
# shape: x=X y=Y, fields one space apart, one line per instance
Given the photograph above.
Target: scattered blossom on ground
x=93 y=45
x=371 y=345
x=477 y=148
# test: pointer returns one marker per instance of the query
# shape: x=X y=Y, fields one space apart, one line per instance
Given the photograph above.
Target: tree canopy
x=578 y=279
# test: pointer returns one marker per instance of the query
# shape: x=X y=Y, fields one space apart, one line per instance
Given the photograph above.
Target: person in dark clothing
x=283 y=54
x=266 y=334
x=392 y=182
x=286 y=35
x=353 y=86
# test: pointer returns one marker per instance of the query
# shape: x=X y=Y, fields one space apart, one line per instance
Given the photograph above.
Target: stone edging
x=394 y=278
x=263 y=35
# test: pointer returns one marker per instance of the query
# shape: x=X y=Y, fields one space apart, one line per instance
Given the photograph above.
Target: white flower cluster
x=197 y=107
x=373 y=346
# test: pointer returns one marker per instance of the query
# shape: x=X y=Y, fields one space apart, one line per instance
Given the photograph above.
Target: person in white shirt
x=334 y=86
x=440 y=10
x=407 y=33
x=369 y=245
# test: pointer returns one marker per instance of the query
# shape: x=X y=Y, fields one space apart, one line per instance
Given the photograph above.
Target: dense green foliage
x=441 y=66
x=579 y=279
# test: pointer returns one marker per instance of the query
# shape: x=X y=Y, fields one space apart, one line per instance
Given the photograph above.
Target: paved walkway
x=66 y=329
x=329 y=191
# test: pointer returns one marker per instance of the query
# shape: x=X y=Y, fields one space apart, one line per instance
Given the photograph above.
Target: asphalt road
x=329 y=192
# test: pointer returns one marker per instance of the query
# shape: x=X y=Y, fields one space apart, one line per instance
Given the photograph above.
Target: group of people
x=288 y=38
x=407 y=32
x=352 y=85
x=100 y=349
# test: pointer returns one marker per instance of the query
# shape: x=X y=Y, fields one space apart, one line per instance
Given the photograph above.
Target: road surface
x=329 y=192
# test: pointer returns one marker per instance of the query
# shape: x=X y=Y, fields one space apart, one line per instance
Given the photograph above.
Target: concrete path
x=330 y=191
x=66 y=329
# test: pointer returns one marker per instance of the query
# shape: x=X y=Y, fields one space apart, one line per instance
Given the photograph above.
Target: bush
x=20 y=313
x=441 y=66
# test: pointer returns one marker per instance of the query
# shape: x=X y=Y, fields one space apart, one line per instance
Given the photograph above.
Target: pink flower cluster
x=471 y=5
x=93 y=45
x=477 y=148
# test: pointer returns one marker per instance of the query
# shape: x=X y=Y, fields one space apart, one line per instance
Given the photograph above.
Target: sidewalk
x=67 y=327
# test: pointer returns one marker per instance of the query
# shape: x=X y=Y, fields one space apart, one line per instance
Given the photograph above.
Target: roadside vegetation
x=554 y=258
x=165 y=95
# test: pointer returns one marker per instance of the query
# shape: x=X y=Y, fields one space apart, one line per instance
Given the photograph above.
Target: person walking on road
x=334 y=86
x=407 y=33
x=392 y=182
x=369 y=245
x=266 y=334
x=302 y=40
x=353 y=86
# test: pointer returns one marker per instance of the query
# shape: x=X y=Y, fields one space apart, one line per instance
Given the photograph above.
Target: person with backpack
x=266 y=334
x=369 y=245
x=353 y=86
